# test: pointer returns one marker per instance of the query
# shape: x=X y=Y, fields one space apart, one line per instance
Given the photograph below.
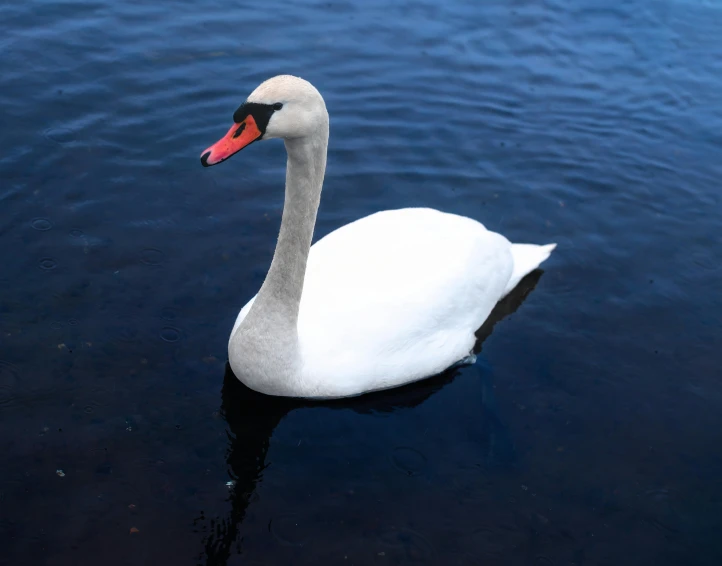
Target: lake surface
x=588 y=433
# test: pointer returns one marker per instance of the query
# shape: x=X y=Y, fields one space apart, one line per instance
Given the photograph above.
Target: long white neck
x=282 y=289
x=266 y=342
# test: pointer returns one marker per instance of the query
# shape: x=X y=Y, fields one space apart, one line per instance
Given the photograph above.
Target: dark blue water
x=589 y=432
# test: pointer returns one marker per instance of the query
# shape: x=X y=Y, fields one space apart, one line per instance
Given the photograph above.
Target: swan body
x=383 y=303
x=386 y=300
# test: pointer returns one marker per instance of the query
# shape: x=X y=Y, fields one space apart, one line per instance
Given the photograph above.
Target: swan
x=386 y=300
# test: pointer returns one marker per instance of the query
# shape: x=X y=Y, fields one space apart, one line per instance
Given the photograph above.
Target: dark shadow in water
x=252 y=418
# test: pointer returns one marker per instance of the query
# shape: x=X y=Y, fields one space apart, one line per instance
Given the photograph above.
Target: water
x=588 y=433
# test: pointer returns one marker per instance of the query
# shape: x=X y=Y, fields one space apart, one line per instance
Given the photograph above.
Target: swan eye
x=277 y=106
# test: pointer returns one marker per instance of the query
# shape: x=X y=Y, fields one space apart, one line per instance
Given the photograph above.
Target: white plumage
x=386 y=300
x=397 y=296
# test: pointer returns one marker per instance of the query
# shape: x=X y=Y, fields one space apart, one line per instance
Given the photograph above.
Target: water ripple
x=594 y=125
x=152 y=256
x=41 y=224
x=47 y=264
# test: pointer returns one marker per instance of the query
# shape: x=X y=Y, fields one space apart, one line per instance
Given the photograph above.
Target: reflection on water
x=252 y=418
x=589 y=431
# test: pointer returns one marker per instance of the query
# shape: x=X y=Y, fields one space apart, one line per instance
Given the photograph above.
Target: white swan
x=386 y=300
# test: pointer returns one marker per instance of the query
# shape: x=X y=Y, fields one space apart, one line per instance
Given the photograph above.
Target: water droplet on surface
x=76 y=233
x=408 y=460
x=170 y=334
x=152 y=256
x=41 y=224
x=47 y=263
x=72 y=322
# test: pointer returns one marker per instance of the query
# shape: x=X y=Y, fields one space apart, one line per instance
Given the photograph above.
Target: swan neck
x=280 y=294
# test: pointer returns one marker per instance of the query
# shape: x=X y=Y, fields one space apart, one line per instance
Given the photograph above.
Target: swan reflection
x=252 y=418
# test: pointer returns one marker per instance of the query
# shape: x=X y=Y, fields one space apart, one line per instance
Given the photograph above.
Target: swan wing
x=395 y=297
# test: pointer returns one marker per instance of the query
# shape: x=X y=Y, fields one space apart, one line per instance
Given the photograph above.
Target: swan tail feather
x=527 y=257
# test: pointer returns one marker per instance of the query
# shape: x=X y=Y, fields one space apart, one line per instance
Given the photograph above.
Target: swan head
x=284 y=107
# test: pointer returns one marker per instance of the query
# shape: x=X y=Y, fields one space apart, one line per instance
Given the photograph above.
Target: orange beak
x=238 y=137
